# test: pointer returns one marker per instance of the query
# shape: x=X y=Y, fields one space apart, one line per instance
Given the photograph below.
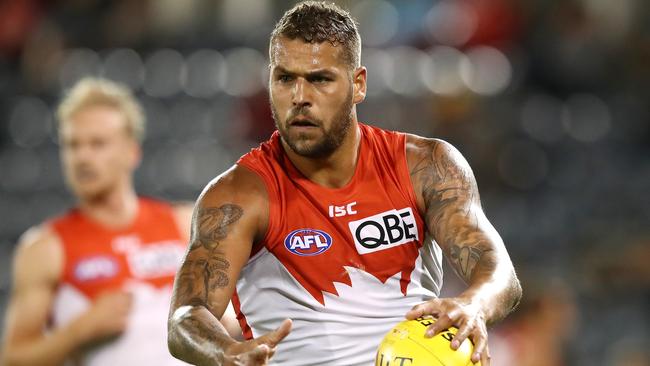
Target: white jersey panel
x=145 y=340
x=432 y=275
x=347 y=329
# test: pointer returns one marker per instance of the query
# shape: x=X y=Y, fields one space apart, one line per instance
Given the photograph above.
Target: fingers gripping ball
x=405 y=345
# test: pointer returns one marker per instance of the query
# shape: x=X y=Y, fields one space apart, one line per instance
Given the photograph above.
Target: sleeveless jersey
x=141 y=259
x=344 y=264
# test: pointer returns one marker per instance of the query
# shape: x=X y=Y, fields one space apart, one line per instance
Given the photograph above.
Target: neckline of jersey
x=114 y=231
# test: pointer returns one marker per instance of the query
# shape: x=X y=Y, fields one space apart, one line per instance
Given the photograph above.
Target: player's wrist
x=232 y=350
x=231 y=346
x=477 y=302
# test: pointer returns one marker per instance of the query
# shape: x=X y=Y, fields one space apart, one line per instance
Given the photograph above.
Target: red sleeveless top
x=99 y=259
x=140 y=259
x=331 y=257
x=380 y=193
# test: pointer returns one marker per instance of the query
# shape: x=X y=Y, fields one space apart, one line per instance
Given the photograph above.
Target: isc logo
x=385 y=230
x=307 y=242
x=338 y=211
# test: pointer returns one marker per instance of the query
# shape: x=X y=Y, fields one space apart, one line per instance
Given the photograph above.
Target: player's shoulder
x=38 y=238
x=39 y=250
x=431 y=149
x=182 y=211
x=237 y=192
x=239 y=184
x=159 y=206
x=162 y=205
x=182 y=208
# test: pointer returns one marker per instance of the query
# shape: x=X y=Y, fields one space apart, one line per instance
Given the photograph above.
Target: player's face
x=97 y=152
x=313 y=93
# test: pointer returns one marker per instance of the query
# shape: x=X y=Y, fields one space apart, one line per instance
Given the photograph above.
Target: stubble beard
x=329 y=141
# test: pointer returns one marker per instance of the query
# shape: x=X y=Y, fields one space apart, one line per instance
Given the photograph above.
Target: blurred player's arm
x=229 y=216
x=449 y=201
x=37 y=270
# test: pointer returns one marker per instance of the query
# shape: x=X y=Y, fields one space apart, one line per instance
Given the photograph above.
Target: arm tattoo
x=199 y=276
x=206 y=270
x=196 y=336
x=449 y=192
x=202 y=331
x=212 y=224
x=466 y=258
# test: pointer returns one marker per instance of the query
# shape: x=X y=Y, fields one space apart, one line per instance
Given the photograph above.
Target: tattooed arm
x=449 y=201
x=230 y=215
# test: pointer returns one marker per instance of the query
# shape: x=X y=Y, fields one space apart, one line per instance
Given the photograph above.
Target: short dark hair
x=317 y=22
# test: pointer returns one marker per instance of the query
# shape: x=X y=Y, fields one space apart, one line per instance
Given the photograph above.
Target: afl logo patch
x=95 y=268
x=308 y=242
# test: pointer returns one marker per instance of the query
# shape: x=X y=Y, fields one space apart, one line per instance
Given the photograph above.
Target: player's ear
x=359 y=83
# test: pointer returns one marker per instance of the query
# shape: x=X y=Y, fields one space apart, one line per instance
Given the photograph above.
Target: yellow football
x=405 y=345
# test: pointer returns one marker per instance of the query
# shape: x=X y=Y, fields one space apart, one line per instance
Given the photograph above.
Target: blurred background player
x=93 y=284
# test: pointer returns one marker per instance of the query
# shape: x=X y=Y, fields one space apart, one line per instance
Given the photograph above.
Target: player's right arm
x=37 y=270
x=229 y=216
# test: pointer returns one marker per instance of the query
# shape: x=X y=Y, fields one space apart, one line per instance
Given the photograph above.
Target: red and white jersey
x=344 y=264
x=141 y=259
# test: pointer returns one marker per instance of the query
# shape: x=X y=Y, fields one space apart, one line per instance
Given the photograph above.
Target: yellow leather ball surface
x=405 y=345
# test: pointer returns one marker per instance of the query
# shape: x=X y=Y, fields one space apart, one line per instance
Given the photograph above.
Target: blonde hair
x=91 y=91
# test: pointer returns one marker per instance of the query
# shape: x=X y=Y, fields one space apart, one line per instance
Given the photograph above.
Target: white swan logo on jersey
x=308 y=242
x=385 y=230
x=151 y=260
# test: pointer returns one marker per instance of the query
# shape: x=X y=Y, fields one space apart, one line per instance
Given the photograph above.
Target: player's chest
x=103 y=260
x=349 y=230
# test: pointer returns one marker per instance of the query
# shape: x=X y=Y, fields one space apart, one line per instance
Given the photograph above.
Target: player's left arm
x=449 y=201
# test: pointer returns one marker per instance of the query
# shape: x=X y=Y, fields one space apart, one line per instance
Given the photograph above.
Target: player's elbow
x=172 y=346
x=172 y=338
x=175 y=333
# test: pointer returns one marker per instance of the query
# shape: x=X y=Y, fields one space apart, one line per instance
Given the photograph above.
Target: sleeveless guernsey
x=344 y=264
x=141 y=259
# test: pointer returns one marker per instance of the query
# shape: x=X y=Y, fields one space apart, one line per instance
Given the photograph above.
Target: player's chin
x=305 y=150
x=304 y=143
x=304 y=133
x=88 y=191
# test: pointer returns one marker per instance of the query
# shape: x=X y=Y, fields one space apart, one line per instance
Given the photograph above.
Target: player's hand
x=461 y=313
x=256 y=352
x=107 y=317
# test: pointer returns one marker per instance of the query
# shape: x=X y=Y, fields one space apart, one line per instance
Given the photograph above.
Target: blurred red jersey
x=141 y=259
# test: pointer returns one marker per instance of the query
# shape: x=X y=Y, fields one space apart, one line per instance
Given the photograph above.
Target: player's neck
x=336 y=170
x=115 y=209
